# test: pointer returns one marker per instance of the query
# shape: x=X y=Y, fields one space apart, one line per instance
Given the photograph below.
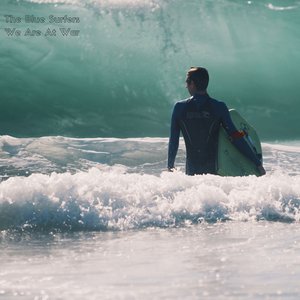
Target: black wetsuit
x=199 y=119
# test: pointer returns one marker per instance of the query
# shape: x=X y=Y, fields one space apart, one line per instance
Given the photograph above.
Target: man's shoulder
x=179 y=107
x=219 y=107
x=217 y=102
x=183 y=101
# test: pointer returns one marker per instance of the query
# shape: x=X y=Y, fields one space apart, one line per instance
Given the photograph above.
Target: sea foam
x=109 y=198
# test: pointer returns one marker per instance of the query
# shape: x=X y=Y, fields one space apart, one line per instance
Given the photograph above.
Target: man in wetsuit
x=199 y=118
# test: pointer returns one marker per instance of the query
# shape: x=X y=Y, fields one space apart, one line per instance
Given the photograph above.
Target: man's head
x=197 y=80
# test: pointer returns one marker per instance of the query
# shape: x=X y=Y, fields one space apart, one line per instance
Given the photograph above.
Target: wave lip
x=112 y=199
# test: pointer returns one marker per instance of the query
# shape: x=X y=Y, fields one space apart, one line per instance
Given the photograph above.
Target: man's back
x=199 y=119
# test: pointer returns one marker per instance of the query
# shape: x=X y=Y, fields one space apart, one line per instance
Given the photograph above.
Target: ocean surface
x=87 y=209
x=100 y=218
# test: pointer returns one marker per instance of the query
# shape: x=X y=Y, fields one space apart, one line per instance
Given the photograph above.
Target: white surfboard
x=231 y=162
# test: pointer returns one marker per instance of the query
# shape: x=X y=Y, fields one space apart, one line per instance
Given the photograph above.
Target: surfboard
x=231 y=162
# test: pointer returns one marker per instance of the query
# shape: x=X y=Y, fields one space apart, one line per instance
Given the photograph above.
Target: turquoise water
x=123 y=72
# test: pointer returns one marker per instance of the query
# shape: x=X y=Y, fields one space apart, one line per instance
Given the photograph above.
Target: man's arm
x=237 y=139
x=174 y=138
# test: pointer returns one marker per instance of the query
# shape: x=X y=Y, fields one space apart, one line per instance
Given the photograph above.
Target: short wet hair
x=199 y=76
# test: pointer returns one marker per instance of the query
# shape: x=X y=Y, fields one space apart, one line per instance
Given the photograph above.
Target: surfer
x=199 y=118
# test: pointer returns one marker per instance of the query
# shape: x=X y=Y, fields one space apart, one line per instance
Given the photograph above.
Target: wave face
x=63 y=184
x=123 y=72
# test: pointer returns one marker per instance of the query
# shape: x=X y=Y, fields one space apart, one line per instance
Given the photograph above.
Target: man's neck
x=201 y=93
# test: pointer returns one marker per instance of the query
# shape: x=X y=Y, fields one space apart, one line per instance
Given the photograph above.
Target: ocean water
x=87 y=209
x=123 y=72
x=100 y=218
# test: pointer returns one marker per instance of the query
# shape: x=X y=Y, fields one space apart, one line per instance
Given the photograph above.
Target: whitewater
x=87 y=207
x=58 y=184
x=90 y=218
